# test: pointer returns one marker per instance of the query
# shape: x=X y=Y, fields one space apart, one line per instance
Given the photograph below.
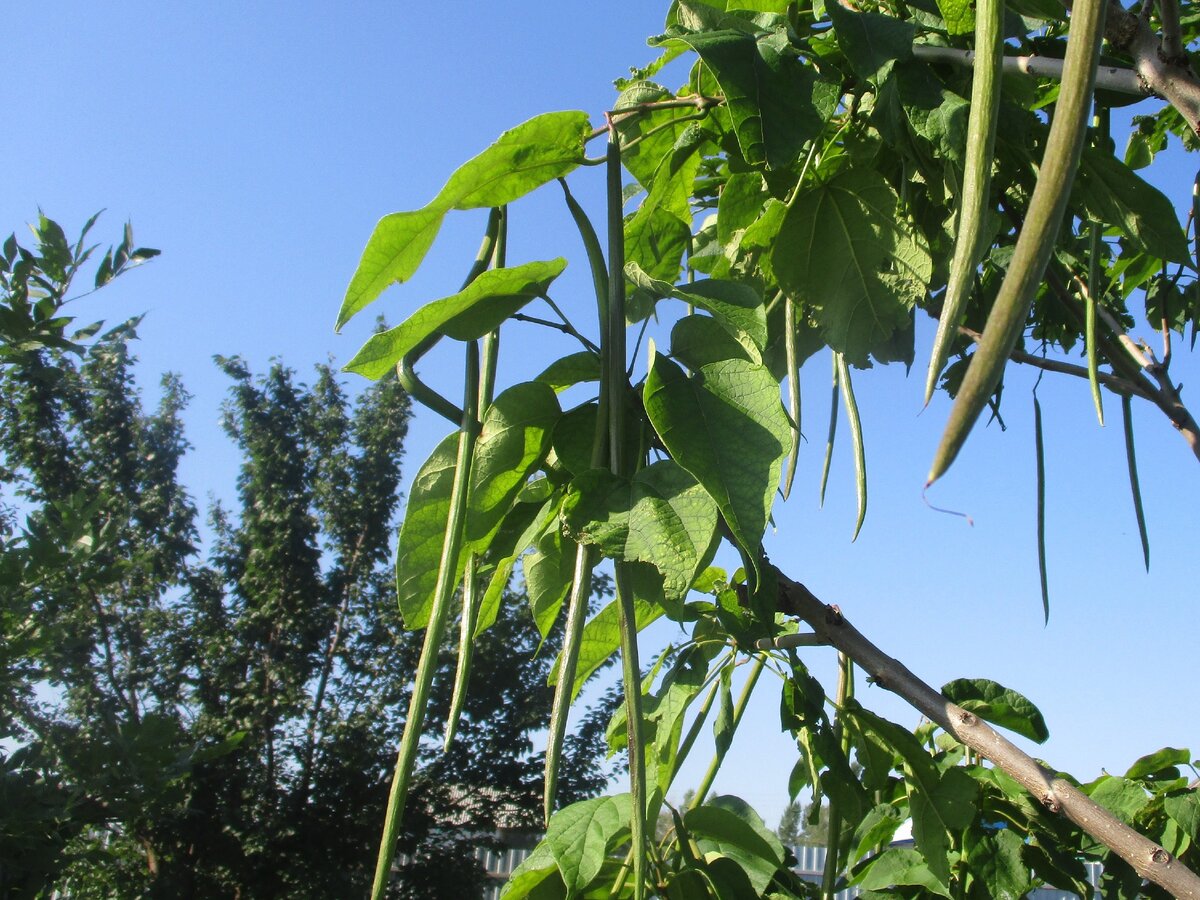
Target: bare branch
x=1172 y=33
x=1112 y=78
x=1170 y=77
x=1114 y=383
x=1058 y=795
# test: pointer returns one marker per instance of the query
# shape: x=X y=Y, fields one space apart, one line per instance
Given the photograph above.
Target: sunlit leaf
x=844 y=252
x=471 y=313
x=727 y=427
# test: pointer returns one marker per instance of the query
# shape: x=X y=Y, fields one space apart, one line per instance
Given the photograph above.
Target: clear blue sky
x=257 y=144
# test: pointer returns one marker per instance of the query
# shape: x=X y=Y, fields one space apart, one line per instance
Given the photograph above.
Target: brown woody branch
x=1112 y=78
x=1114 y=383
x=1058 y=795
x=1160 y=63
x=1172 y=32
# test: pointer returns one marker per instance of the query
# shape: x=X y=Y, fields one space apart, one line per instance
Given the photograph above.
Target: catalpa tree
x=828 y=179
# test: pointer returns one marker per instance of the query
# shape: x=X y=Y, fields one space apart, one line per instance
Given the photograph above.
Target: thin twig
x=1057 y=794
x=565 y=328
x=1169 y=77
x=1115 y=383
x=616 y=116
x=1172 y=32
x=1113 y=78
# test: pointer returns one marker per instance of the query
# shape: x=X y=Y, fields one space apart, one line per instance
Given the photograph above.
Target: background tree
x=223 y=727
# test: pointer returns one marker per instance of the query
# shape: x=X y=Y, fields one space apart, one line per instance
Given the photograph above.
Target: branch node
x=833 y=615
x=966 y=718
x=1160 y=856
x=1051 y=803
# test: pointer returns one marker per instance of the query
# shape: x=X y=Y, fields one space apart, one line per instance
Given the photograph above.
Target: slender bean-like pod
x=1094 y=289
x=591 y=245
x=613 y=343
x=471 y=595
x=739 y=710
x=1089 y=328
x=406 y=372
x=442 y=596
x=466 y=644
x=856 y=440
x=833 y=417
x=977 y=172
x=585 y=558
x=1036 y=242
x=577 y=609
x=1040 y=452
x=833 y=861
x=1134 y=485
x=793 y=373
x=689 y=739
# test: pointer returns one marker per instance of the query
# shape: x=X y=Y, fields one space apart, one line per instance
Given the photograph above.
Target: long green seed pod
x=739 y=710
x=466 y=644
x=1040 y=452
x=614 y=356
x=834 y=852
x=793 y=373
x=442 y=595
x=1036 y=243
x=487 y=390
x=856 y=440
x=833 y=417
x=577 y=609
x=977 y=177
x=1134 y=485
x=585 y=559
x=406 y=372
x=1094 y=290
x=1089 y=327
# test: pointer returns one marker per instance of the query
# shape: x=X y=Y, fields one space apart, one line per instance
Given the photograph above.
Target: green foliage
x=811 y=165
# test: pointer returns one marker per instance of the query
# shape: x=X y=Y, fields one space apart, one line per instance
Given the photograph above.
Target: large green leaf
x=844 y=251
x=512 y=443
x=471 y=313
x=579 y=837
x=1160 y=764
x=949 y=808
x=661 y=516
x=895 y=867
x=523 y=158
x=996 y=861
x=768 y=90
x=658 y=233
x=423 y=531
x=549 y=570
x=726 y=825
x=999 y=705
x=871 y=41
x=738 y=307
x=699 y=340
x=1113 y=193
x=1184 y=811
x=1120 y=796
x=727 y=427
x=536 y=878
